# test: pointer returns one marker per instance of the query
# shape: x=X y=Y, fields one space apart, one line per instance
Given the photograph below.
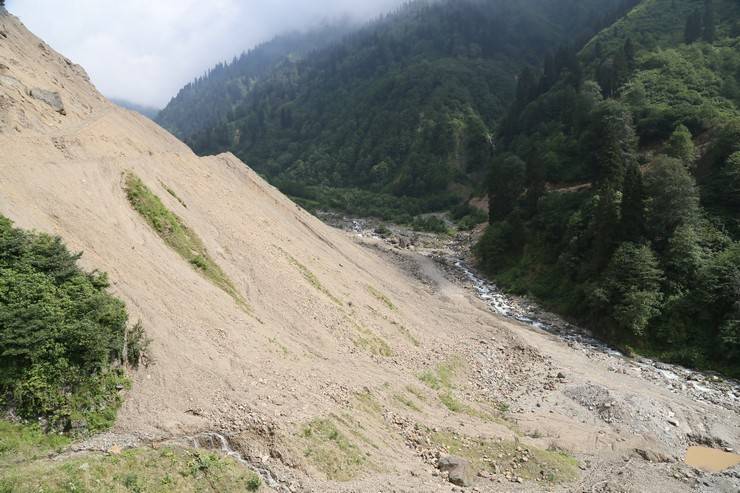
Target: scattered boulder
x=51 y=98
x=460 y=472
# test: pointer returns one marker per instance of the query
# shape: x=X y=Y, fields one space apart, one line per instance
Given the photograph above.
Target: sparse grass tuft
x=441 y=377
x=312 y=279
x=371 y=342
x=368 y=402
x=176 y=197
x=406 y=402
x=417 y=392
x=545 y=465
x=381 y=297
x=330 y=451
x=451 y=402
x=177 y=235
x=281 y=346
x=406 y=333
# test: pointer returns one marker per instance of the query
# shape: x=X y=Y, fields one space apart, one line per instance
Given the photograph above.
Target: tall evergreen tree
x=629 y=52
x=550 y=74
x=693 y=29
x=708 y=21
x=632 y=222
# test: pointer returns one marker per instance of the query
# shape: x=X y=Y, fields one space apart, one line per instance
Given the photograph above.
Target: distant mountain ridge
x=211 y=98
x=148 y=111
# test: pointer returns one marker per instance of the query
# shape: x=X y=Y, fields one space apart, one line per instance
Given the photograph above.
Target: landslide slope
x=322 y=361
x=314 y=331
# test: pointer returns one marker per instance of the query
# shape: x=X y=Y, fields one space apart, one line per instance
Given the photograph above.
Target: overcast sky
x=145 y=50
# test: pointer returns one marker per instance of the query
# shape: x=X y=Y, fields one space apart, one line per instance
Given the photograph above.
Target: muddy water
x=710 y=459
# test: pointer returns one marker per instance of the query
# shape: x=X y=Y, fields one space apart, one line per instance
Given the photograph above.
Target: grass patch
x=281 y=346
x=451 y=402
x=548 y=465
x=381 y=297
x=330 y=451
x=165 y=470
x=457 y=406
x=174 y=195
x=406 y=333
x=369 y=341
x=368 y=402
x=441 y=377
x=177 y=235
x=406 y=402
x=23 y=443
x=417 y=392
x=355 y=428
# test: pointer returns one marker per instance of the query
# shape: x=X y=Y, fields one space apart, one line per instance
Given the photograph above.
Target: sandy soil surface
x=339 y=328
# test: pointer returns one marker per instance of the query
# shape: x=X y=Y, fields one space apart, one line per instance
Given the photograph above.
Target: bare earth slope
x=318 y=380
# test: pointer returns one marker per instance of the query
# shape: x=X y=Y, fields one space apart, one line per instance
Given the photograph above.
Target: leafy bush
x=430 y=224
x=61 y=334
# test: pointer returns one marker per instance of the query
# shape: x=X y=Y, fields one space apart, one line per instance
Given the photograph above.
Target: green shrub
x=60 y=335
x=429 y=224
x=137 y=345
x=254 y=483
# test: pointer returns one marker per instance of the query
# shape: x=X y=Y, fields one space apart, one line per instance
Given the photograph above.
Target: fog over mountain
x=151 y=49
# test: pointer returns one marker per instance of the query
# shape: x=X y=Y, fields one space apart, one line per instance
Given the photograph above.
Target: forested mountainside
x=615 y=188
x=209 y=100
x=405 y=107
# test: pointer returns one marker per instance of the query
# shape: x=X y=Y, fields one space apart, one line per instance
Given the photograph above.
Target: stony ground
x=630 y=419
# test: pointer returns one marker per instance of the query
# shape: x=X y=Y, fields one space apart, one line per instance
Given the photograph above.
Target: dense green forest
x=615 y=186
x=210 y=100
x=63 y=338
x=399 y=116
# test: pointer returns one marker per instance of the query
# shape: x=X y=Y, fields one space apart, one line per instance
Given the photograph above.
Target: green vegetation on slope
x=330 y=451
x=176 y=234
x=404 y=108
x=25 y=468
x=212 y=98
x=615 y=187
x=548 y=465
x=62 y=336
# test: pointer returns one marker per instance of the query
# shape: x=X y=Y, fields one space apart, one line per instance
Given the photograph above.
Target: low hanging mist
x=144 y=51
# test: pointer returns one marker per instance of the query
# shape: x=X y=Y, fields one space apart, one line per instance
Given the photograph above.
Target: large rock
x=459 y=470
x=51 y=98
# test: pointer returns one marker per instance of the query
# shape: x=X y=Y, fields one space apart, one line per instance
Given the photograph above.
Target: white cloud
x=144 y=50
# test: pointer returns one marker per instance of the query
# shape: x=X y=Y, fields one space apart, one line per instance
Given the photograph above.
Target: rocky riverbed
x=454 y=256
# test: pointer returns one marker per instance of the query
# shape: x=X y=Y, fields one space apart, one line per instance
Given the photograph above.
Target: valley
x=172 y=321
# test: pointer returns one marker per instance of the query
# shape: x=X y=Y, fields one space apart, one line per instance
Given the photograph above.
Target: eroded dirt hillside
x=343 y=367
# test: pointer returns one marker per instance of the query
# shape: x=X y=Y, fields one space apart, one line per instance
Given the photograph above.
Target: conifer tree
x=629 y=52
x=693 y=29
x=709 y=27
x=632 y=221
